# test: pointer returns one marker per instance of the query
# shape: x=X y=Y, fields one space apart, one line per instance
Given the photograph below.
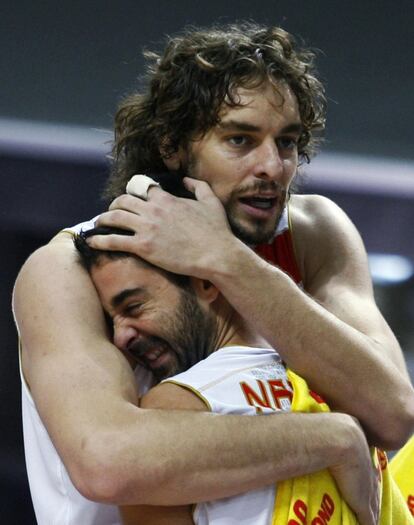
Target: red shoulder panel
x=280 y=252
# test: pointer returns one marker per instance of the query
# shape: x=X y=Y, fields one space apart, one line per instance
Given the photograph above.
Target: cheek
x=290 y=169
x=224 y=175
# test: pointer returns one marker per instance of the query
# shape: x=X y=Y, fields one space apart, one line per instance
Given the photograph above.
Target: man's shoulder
x=315 y=217
x=172 y=396
x=319 y=228
x=310 y=210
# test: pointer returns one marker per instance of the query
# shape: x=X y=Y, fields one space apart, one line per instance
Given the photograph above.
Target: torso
x=244 y=381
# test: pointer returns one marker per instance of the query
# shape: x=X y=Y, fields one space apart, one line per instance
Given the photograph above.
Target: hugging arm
x=85 y=393
x=332 y=441
x=331 y=333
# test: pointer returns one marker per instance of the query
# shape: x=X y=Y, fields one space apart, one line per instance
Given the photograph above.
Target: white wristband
x=139 y=186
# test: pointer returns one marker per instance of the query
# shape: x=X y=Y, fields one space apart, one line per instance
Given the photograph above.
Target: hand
x=358 y=479
x=179 y=235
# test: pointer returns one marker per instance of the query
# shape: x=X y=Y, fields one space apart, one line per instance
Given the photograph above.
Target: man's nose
x=269 y=164
x=124 y=334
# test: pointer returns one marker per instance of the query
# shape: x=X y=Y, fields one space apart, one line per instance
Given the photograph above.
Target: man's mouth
x=259 y=207
x=262 y=203
x=152 y=355
x=147 y=351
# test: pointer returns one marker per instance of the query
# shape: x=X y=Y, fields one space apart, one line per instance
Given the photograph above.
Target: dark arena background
x=65 y=65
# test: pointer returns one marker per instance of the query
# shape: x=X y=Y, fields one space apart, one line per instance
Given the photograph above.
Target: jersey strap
x=280 y=250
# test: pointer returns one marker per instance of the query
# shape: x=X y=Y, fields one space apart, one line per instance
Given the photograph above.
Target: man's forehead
x=115 y=273
x=116 y=269
x=279 y=96
x=121 y=258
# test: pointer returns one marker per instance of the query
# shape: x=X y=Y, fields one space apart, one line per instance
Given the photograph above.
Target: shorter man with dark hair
x=177 y=325
x=182 y=334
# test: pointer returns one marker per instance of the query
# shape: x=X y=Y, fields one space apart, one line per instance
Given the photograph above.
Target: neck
x=233 y=330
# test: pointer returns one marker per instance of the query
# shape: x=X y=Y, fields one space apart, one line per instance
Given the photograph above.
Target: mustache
x=146 y=343
x=261 y=186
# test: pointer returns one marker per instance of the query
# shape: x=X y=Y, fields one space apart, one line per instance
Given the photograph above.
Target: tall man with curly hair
x=236 y=109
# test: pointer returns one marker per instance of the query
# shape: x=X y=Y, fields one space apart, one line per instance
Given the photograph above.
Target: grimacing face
x=250 y=159
x=159 y=324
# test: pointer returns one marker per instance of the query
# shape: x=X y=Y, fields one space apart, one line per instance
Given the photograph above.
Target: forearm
x=356 y=373
x=175 y=458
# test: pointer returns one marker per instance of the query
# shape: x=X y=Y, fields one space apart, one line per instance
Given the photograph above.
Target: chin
x=253 y=232
x=253 y=235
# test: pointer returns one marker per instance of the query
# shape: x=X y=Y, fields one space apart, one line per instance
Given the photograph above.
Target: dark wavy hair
x=186 y=87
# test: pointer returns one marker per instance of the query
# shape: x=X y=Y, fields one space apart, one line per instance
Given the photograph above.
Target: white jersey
x=56 y=501
x=246 y=381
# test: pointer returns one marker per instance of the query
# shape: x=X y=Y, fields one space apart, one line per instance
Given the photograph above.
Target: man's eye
x=239 y=140
x=287 y=142
x=132 y=309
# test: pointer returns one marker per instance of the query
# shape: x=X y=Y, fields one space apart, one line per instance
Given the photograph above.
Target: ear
x=173 y=161
x=205 y=290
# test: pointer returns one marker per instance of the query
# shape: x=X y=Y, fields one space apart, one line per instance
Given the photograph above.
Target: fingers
x=134 y=204
x=118 y=218
x=126 y=202
x=157 y=195
x=201 y=189
x=154 y=190
x=113 y=242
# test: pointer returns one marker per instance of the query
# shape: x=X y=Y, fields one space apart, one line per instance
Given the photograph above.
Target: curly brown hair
x=186 y=87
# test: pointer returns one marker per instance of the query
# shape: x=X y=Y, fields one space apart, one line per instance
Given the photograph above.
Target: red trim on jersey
x=281 y=253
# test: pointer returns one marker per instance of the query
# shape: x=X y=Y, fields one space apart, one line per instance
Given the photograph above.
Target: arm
x=333 y=333
x=334 y=326
x=166 y=396
x=351 y=468
x=84 y=391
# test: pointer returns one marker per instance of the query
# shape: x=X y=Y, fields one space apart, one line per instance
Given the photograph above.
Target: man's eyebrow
x=240 y=125
x=295 y=127
x=120 y=297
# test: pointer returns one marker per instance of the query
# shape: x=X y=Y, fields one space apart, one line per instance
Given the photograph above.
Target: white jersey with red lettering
x=244 y=381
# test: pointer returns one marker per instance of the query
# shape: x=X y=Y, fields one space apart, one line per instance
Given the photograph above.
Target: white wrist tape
x=139 y=186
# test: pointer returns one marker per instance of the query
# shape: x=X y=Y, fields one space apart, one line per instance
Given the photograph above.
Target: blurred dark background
x=63 y=68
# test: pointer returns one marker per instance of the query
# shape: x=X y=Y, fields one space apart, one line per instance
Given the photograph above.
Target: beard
x=188 y=337
x=253 y=231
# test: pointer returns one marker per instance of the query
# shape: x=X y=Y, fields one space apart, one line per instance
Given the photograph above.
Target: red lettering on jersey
x=300 y=509
x=410 y=503
x=328 y=504
x=253 y=398
x=382 y=458
x=279 y=391
x=316 y=397
x=325 y=512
